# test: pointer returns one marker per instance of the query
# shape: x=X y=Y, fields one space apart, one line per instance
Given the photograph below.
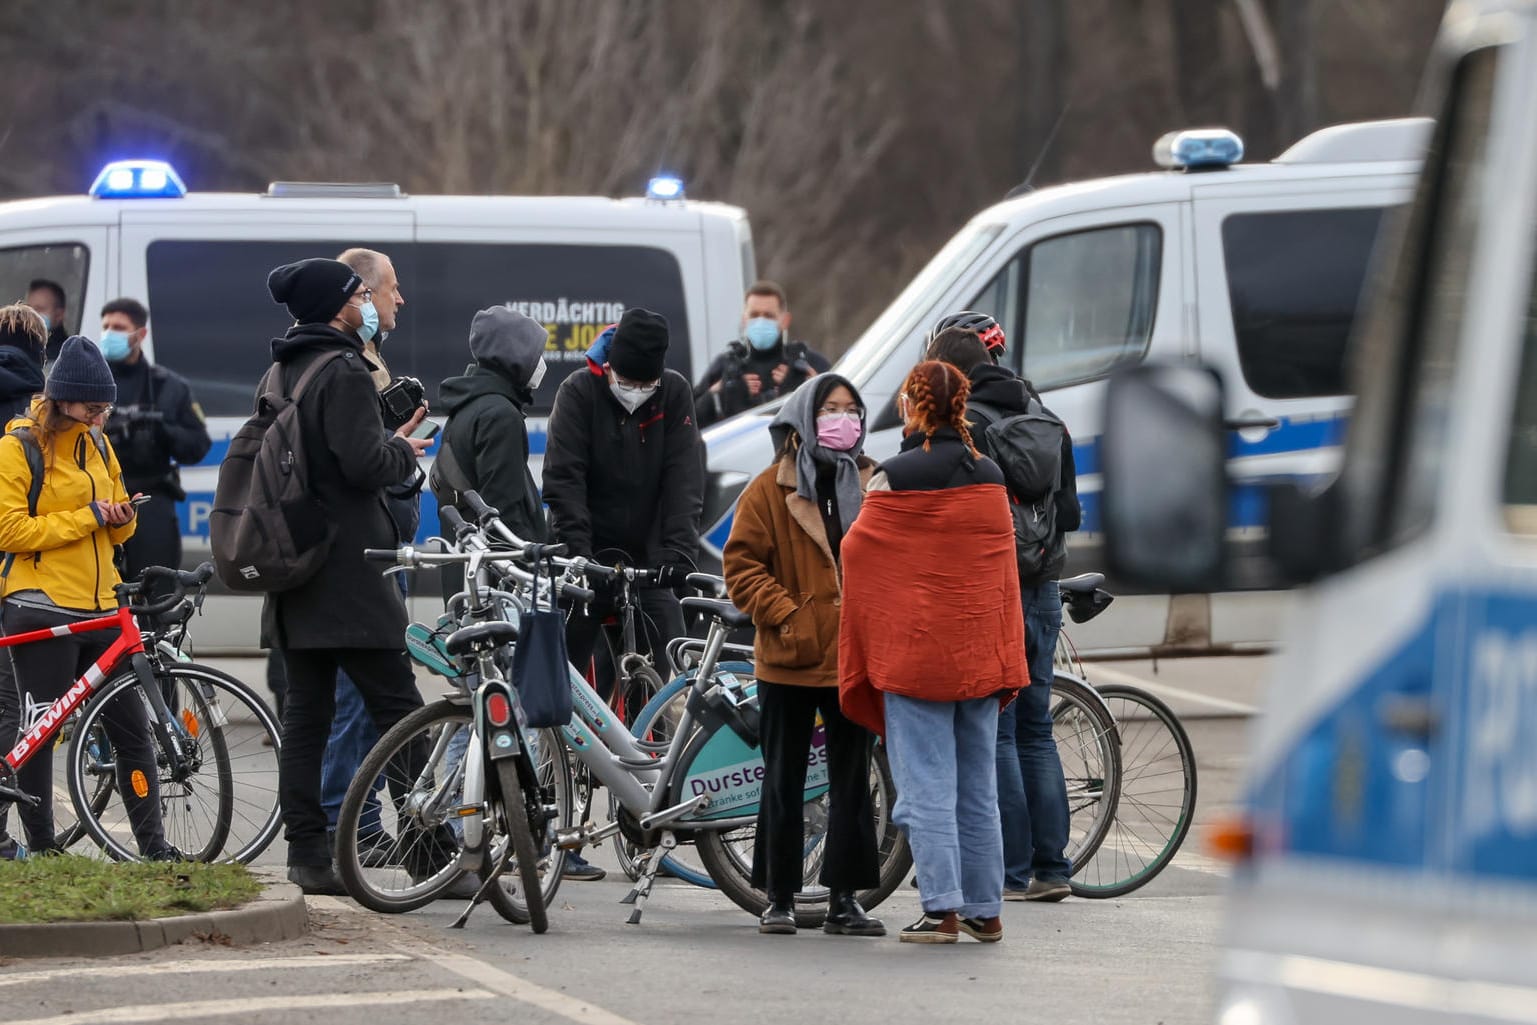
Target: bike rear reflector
x=498 y=709
x=190 y=721
x=1232 y=839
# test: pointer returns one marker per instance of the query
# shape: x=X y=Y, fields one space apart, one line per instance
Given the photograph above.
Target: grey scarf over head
x=799 y=416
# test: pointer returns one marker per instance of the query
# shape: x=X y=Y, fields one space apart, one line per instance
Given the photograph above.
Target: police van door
x=78 y=258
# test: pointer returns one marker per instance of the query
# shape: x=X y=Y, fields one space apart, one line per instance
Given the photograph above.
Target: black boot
x=779 y=918
x=846 y=918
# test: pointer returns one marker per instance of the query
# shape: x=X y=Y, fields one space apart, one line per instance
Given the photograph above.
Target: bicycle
x=217 y=778
x=1129 y=764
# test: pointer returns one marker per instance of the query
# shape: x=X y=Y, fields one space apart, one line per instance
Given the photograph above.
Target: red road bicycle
x=216 y=744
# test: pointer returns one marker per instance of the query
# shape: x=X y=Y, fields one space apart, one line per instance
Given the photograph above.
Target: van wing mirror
x=1166 y=493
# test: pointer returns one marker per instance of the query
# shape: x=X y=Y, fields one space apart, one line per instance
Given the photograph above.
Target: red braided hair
x=936 y=398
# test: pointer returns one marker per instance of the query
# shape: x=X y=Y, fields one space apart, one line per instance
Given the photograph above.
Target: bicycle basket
x=426 y=646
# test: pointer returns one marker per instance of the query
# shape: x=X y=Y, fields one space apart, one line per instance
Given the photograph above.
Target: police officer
x=155 y=428
x=764 y=364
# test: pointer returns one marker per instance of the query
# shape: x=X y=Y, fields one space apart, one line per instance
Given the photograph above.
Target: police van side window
x=63 y=263
x=1075 y=306
x=1520 y=495
x=1294 y=280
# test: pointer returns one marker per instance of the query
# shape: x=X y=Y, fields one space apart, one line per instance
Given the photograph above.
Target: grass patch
x=68 y=888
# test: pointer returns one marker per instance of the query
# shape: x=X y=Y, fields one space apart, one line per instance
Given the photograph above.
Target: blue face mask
x=47 y=323
x=762 y=333
x=370 y=320
x=115 y=346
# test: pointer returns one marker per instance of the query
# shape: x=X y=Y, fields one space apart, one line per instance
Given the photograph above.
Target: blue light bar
x=138 y=179
x=664 y=188
x=1198 y=148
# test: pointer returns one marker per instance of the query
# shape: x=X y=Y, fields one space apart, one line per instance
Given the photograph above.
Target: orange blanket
x=930 y=601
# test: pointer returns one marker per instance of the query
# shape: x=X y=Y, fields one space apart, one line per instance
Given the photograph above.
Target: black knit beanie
x=313 y=290
x=639 y=348
x=80 y=374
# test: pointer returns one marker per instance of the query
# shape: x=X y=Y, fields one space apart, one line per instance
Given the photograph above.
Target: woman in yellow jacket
x=58 y=569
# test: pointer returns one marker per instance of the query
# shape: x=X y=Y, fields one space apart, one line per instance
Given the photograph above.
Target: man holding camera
x=155 y=429
x=762 y=365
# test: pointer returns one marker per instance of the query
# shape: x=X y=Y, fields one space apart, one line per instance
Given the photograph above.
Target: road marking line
x=179 y=967
x=197 y=1009
x=574 y=1008
x=1163 y=690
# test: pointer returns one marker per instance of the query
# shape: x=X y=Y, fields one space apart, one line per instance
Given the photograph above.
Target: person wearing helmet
x=987 y=329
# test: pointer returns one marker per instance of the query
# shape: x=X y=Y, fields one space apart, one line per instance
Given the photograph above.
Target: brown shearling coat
x=779 y=569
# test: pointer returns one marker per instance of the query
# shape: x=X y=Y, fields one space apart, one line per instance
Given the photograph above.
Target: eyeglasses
x=832 y=410
x=95 y=409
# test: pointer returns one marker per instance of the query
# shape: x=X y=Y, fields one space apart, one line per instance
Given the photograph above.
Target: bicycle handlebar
x=483 y=512
x=182 y=581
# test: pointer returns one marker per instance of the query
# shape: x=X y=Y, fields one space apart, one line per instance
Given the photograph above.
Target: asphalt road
x=1144 y=958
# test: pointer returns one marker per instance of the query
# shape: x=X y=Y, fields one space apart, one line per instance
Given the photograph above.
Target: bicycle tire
x=66 y=835
x=731 y=868
x=525 y=852
x=1091 y=764
x=230 y=760
x=423 y=835
x=1153 y=809
x=553 y=773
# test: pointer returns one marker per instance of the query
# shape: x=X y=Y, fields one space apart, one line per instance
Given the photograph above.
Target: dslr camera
x=400 y=400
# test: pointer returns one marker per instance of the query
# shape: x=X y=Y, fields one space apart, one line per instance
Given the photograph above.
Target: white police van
x=1256 y=268
x=199 y=261
x=1388 y=840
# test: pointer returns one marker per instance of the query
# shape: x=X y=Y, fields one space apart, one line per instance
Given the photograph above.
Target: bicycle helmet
x=988 y=331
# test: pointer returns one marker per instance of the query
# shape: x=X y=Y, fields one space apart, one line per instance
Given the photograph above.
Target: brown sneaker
x=986 y=930
x=941 y=927
x=1048 y=890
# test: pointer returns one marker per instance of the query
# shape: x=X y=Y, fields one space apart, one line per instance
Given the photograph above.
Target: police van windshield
x=64 y=264
x=212 y=321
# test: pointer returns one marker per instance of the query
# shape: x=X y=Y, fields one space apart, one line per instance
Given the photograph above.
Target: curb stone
x=277 y=914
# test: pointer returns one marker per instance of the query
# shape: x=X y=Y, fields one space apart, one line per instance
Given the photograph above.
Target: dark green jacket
x=490 y=443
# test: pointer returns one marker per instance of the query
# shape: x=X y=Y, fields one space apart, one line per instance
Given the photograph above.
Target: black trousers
x=388 y=687
x=156 y=541
x=658 y=619
x=850 y=859
x=45 y=670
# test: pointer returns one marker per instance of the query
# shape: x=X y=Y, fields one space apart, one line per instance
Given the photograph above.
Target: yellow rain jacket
x=64 y=551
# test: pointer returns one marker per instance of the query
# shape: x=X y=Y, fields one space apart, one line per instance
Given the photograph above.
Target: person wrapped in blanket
x=932 y=645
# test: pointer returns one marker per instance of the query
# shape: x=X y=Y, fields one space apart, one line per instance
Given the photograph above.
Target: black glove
x=673 y=574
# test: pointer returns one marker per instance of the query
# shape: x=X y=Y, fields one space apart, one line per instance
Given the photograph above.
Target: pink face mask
x=838 y=431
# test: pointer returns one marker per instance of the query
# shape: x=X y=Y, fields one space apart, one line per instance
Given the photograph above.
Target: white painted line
x=574 y=1008
x=1099 y=671
x=199 y=1009
x=256 y=964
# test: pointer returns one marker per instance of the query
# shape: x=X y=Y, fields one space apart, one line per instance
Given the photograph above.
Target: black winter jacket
x=740 y=359
x=20 y=378
x=947 y=463
x=1010 y=394
x=631 y=481
x=151 y=450
x=489 y=438
x=348 y=604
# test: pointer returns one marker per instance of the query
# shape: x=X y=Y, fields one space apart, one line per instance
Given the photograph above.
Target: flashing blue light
x=138 y=179
x=1198 y=148
x=664 y=188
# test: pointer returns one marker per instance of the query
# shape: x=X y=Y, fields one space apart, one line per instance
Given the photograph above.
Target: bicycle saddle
x=468 y=638
x=719 y=608
x=1083 y=583
x=707 y=582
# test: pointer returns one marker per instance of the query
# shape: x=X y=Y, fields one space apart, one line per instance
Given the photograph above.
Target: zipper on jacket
x=95 y=547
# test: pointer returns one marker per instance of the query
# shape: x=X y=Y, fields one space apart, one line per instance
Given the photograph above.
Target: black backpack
x=447 y=478
x=267 y=529
x=1028 y=449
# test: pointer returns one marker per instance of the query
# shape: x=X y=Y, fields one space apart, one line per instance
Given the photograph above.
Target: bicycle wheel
x=728 y=854
x=421 y=760
x=223 y=805
x=514 y=815
x=556 y=788
x=1091 y=765
x=1156 y=802
x=655 y=724
x=68 y=829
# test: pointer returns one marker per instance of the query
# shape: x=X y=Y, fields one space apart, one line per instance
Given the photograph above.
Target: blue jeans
x=947 y=800
x=352 y=737
x=1032 y=795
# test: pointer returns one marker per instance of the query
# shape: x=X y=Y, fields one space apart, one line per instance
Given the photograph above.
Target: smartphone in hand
x=424 y=430
x=138 y=500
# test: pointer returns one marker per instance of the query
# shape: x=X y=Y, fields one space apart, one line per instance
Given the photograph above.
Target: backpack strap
x=33 y=450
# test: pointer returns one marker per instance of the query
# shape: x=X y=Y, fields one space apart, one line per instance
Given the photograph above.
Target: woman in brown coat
x=781 y=567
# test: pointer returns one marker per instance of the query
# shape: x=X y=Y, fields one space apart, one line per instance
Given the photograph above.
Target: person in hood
x=781 y=567
x=486 y=436
x=762 y=365
x=22 y=340
x=348 y=616
x=47 y=298
x=1032 y=792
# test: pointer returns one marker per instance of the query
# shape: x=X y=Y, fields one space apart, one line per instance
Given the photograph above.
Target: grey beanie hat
x=504 y=340
x=80 y=374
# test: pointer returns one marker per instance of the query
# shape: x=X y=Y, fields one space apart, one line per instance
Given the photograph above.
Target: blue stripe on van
x=1362 y=785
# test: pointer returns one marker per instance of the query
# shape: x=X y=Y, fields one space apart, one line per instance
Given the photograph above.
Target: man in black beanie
x=347 y=616
x=624 y=477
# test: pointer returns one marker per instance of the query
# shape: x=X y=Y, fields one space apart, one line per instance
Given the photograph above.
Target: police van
x=1388 y=839
x=199 y=261
x=1256 y=268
